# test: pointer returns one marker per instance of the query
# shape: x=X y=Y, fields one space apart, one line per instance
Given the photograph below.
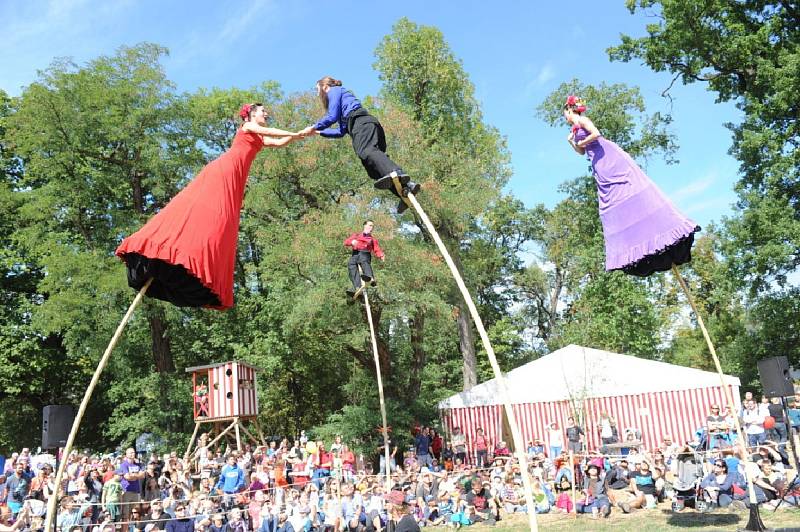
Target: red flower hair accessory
x=576 y=103
x=244 y=112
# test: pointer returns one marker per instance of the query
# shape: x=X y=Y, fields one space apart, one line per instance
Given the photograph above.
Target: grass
x=784 y=520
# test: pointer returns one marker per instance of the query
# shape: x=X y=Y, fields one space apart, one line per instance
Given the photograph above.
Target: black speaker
x=775 y=377
x=56 y=424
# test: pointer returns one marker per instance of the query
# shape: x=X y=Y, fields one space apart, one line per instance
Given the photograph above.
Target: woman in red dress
x=189 y=246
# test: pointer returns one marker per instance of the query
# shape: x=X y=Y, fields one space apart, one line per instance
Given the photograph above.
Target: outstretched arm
x=267 y=131
x=278 y=142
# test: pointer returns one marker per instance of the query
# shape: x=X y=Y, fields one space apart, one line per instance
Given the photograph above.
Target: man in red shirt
x=363 y=245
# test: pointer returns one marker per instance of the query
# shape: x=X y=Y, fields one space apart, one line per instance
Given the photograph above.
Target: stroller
x=686 y=487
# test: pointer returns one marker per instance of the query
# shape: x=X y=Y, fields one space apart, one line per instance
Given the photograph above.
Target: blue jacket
x=231 y=479
x=180 y=525
x=341 y=103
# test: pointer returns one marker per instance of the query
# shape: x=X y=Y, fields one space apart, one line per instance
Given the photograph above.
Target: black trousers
x=369 y=143
x=363 y=258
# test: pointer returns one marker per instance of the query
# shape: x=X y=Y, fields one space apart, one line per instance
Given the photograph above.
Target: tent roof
x=575 y=371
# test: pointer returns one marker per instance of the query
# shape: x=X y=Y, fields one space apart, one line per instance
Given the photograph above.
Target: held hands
x=307 y=132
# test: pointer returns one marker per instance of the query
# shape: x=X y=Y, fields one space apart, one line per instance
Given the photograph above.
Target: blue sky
x=515 y=53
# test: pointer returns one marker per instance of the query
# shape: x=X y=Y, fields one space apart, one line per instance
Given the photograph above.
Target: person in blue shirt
x=231 y=481
x=369 y=140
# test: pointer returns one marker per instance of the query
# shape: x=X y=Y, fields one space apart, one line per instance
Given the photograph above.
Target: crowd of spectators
x=302 y=485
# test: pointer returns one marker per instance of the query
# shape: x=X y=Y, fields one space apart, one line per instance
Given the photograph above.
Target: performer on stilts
x=644 y=233
x=189 y=246
x=363 y=245
x=369 y=140
x=185 y=254
x=642 y=229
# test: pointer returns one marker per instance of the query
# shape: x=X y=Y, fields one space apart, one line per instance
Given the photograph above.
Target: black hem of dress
x=171 y=282
x=678 y=253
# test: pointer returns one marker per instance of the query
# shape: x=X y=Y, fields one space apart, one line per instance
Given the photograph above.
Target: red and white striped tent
x=655 y=398
x=224 y=390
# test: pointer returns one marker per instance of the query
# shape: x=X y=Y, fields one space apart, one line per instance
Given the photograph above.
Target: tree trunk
x=466 y=344
x=466 y=336
x=417 y=326
x=162 y=351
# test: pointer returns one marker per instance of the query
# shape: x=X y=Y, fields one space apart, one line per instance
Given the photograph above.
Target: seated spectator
x=594 y=498
x=619 y=487
x=481 y=503
x=564 y=502
x=643 y=486
x=181 y=523
x=541 y=496
x=718 y=485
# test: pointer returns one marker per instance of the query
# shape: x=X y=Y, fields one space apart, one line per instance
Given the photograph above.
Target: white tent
x=655 y=397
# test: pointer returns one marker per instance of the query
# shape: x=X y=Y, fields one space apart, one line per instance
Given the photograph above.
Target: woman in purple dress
x=642 y=229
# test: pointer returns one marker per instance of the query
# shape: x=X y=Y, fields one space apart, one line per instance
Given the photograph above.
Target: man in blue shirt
x=369 y=140
x=422 y=446
x=231 y=481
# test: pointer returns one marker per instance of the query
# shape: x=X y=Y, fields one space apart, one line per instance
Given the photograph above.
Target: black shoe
x=401 y=207
x=411 y=187
x=373 y=282
x=366 y=278
x=350 y=293
x=386 y=183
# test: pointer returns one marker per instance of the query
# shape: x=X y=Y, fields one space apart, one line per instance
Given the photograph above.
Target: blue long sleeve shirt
x=341 y=103
x=231 y=479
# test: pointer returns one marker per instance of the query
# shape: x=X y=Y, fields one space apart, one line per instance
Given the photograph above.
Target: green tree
x=468 y=159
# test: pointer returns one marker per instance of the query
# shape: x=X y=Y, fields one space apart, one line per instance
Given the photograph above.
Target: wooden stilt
x=51 y=504
x=755 y=519
x=386 y=451
x=519 y=446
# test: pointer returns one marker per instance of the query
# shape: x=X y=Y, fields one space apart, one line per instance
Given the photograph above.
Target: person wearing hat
x=594 y=498
x=399 y=512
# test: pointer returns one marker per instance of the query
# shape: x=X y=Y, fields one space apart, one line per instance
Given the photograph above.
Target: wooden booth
x=224 y=392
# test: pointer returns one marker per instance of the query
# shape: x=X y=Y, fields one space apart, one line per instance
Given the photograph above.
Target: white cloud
x=694 y=188
x=546 y=73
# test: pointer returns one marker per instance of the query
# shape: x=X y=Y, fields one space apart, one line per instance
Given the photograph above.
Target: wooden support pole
x=247 y=433
x=49 y=524
x=191 y=441
x=221 y=434
x=519 y=446
x=238 y=437
x=260 y=433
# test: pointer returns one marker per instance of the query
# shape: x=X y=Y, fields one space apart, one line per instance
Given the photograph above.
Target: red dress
x=189 y=246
